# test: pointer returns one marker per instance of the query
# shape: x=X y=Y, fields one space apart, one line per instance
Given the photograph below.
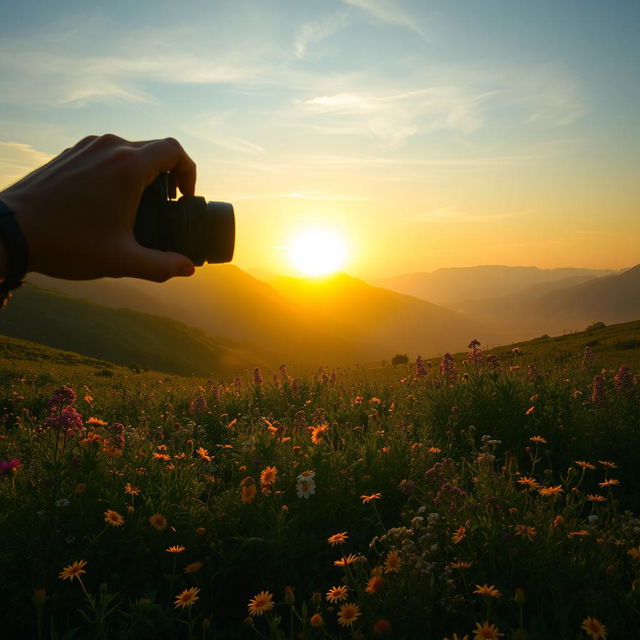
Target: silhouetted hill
x=223 y=300
x=120 y=335
x=340 y=320
x=452 y=286
x=397 y=322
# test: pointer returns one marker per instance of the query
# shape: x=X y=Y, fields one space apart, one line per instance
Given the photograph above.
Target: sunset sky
x=428 y=134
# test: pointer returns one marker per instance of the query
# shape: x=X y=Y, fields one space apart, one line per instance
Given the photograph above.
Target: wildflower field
x=477 y=497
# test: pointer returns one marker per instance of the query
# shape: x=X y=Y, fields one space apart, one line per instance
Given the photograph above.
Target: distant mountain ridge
x=453 y=285
x=611 y=299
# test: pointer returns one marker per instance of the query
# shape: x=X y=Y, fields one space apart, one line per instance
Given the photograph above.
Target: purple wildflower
x=9 y=465
x=68 y=420
x=448 y=368
x=199 y=405
x=624 y=379
x=475 y=353
x=62 y=397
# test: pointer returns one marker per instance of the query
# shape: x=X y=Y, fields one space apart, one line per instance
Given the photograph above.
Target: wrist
x=14 y=252
x=3 y=260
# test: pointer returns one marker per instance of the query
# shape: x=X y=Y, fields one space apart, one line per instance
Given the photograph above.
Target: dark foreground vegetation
x=484 y=497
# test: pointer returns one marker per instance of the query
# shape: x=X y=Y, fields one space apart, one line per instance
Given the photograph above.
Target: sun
x=317 y=251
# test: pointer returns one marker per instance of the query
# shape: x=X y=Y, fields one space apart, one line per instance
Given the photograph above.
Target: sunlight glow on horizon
x=317 y=251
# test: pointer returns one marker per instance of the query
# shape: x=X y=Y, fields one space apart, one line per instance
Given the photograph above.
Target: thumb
x=158 y=266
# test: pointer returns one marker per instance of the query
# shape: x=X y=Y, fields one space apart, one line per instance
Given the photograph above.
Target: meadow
x=480 y=496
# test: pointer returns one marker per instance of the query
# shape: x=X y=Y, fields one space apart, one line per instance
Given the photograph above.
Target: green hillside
x=119 y=335
x=611 y=345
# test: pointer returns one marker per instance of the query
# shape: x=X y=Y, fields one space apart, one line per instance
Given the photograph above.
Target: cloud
x=449 y=214
x=304 y=195
x=394 y=117
x=18 y=159
x=239 y=145
x=389 y=13
x=318 y=30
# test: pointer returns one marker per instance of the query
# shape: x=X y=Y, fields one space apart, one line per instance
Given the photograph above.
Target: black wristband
x=17 y=252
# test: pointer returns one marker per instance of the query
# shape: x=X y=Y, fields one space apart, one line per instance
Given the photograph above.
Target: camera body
x=203 y=231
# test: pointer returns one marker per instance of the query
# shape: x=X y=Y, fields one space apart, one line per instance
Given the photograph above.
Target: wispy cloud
x=304 y=195
x=450 y=214
x=394 y=117
x=317 y=30
x=390 y=13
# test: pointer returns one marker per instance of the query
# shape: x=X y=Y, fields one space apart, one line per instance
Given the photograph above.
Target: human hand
x=77 y=212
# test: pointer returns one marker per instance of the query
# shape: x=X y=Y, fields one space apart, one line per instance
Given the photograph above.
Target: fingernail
x=187 y=270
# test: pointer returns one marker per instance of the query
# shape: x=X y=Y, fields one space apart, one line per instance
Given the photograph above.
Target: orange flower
x=74 y=570
x=551 y=491
x=634 y=552
x=346 y=560
x=594 y=628
x=348 y=614
x=608 y=465
x=525 y=531
x=131 y=490
x=486 y=631
x=374 y=584
x=577 y=534
x=392 y=562
x=261 y=603
x=596 y=498
x=317 y=433
x=316 y=620
x=203 y=453
x=161 y=456
x=458 y=535
x=529 y=411
x=158 y=521
x=187 y=598
x=367 y=499
x=585 y=465
x=97 y=422
x=530 y=483
x=193 y=567
x=337 y=594
x=268 y=476
x=248 y=493
x=178 y=548
x=461 y=565
x=487 y=590
x=538 y=440
x=609 y=482
x=337 y=538
x=113 y=518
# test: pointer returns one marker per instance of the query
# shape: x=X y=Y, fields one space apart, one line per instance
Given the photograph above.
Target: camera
x=203 y=231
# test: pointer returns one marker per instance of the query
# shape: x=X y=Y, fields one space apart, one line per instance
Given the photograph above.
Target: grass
x=501 y=500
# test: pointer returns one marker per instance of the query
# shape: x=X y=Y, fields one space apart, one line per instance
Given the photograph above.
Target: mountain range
x=223 y=320
x=453 y=286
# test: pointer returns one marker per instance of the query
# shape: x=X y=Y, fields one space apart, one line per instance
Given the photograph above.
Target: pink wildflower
x=448 y=368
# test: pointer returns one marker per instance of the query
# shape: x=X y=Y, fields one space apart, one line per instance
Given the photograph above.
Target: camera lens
x=221 y=230
x=210 y=230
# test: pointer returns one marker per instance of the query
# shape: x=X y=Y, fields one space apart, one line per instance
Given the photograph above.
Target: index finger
x=168 y=155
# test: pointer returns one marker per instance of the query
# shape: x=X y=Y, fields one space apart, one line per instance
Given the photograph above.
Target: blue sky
x=430 y=133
